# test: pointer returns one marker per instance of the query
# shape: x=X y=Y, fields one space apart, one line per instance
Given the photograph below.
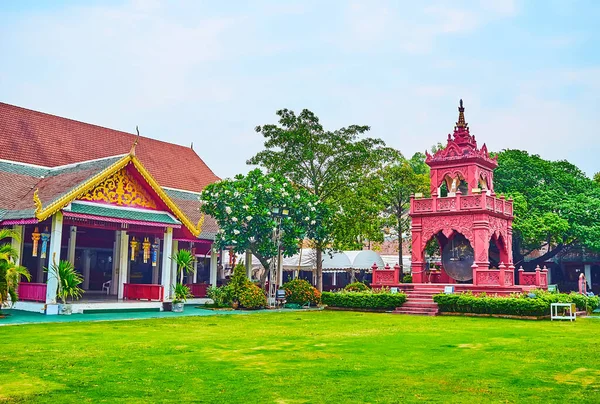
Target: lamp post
x=278 y=214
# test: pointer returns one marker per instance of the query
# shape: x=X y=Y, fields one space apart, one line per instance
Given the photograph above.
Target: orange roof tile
x=47 y=140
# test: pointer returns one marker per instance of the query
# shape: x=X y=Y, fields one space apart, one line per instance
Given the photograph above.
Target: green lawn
x=305 y=357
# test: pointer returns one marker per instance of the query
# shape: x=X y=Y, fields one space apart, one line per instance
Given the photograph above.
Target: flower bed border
x=361 y=309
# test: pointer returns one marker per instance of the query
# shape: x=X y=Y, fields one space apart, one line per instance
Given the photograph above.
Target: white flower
x=216 y=194
x=259 y=186
x=313 y=221
x=284 y=193
x=269 y=213
x=309 y=204
x=236 y=232
x=285 y=184
x=297 y=196
x=226 y=192
x=221 y=231
x=248 y=218
x=234 y=242
x=307 y=218
x=245 y=207
x=272 y=179
x=234 y=219
x=228 y=210
x=268 y=190
x=312 y=208
x=236 y=193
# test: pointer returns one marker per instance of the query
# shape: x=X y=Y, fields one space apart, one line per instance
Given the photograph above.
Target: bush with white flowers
x=242 y=207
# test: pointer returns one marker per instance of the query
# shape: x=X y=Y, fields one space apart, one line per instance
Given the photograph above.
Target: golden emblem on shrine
x=134 y=248
x=121 y=189
x=35 y=237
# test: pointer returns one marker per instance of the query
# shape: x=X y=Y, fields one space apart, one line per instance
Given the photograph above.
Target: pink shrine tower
x=463 y=215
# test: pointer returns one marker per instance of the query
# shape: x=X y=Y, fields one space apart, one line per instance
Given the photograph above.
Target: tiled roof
x=130 y=214
x=47 y=140
x=189 y=205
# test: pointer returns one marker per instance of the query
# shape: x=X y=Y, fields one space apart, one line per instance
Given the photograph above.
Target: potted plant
x=180 y=295
x=68 y=284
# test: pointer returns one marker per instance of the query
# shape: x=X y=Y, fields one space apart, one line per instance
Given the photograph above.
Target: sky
x=210 y=72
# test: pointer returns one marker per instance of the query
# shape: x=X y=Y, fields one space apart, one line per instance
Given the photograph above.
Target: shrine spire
x=461 y=115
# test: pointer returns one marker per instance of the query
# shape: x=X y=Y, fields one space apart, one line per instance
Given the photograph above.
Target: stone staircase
x=420 y=301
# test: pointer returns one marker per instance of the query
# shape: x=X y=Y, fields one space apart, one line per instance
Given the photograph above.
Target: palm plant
x=10 y=272
x=68 y=280
x=185 y=263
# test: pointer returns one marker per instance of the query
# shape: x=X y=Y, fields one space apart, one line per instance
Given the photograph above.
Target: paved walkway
x=16 y=317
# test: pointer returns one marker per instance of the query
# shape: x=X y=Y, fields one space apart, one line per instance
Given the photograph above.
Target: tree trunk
x=266 y=265
x=319 y=267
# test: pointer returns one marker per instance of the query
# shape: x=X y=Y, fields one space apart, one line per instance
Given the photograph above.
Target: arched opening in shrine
x=448 y=259
x=497 y=252
x=453 y=183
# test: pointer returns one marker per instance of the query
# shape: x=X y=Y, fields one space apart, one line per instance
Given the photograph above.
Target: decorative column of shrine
x=481 y=244
x=417 y=263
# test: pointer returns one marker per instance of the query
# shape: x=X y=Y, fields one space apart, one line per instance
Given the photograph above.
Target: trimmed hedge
x=363 y=300
x=357 y=287
x=518 y=305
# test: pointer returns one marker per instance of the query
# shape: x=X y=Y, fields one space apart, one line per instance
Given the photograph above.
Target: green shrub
x=252 y=297
x=407 y=278
x=516 y=304
x=356 y=287
x=221 y=297
x=299 y=291
x=364 y=300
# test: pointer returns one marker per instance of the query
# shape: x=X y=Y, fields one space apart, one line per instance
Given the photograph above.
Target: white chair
x=106 y=286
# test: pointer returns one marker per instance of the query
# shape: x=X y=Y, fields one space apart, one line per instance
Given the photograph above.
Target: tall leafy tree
x=597 y=178
x=394 y=184
x=325 y=162
x=556 y=205
x=243 y=209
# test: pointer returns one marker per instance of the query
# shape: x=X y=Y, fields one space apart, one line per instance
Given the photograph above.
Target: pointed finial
x=135 y=142
x=461 y=115
x=192 y=146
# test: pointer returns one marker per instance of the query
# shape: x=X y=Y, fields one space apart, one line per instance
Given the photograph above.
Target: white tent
x=364 y=259
x=392 y=260
x=336 y=261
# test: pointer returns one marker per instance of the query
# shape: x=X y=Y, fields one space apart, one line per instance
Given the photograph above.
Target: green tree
x=10 y=272
x=243 y=209
x=394 y=184
x=325 y=162
x=597 y=177
x=556 y=205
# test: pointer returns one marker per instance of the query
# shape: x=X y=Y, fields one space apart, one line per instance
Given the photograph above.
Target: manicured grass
x=304 y=357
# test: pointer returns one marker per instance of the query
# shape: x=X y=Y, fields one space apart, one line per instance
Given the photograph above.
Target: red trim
x=135 y=291
x=18 y=221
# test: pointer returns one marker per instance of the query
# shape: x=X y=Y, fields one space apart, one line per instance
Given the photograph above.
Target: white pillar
x=334 y=278
x=71 y=249
x=248 y=264
x=213 y=267
x=17 y=244
x=195 y=275
x=114 y=282
x=588 y=273
x=174 y=273
x=123 y=262
x=166 y=262
x=54 y=254
x=85 y=264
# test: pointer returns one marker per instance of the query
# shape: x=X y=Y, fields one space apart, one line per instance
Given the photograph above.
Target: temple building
x=115 y=204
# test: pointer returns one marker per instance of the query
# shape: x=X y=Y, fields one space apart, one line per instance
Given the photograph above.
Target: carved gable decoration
x=121 y=189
